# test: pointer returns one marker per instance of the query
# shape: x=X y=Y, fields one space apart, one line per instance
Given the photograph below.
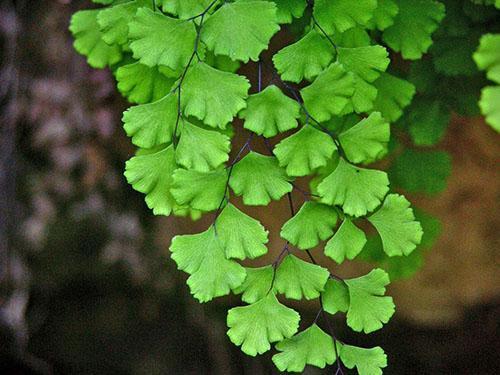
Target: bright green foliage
x=257 y=325
x=413 y=27
x=89 y=42
x=151 y=174
x=289 y=9
x=199 y=190
x=394 y=94
x=396 y=224
x=310 y=347
x=241 y=30
x=298 y=279
x=161 y=40
x=421 y=171
x=347 y=242
x=178 y=60
x=259 y=179
x=490 y=106
x=240 y=235
x=335 y=297
x=270 y=112
x=184 y=8
x=151 y=124
x=367 y=140
x=330 y=93
x=368 y=307
x=215 y=105
x=257 y=284
x=201 y=255
x=141 y=84
x=487 y=56
x=341 y=15
x=366 y=64
x=367 y=361
x=113 y=21
x=305 y=151
x=427 y=121
x=384 y=14
x=356 y=190
x=306 y=58
x=200 y=149
x=313 y=223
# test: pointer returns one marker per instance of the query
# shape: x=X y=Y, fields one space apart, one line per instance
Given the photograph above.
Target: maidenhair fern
x=332 y=97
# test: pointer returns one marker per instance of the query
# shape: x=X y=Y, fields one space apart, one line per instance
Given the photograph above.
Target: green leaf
x=151 y=124
x=413 y=26
x=259 y=179
x=257 y=284
x=313 y=223
x=352 y=38
x=184 y=8
x=151 y=174
x=161 y=40
x=287 y=10
x=309 y=347
x=421 y=171
x=306 y=58
x=396 y=225
x=200 y=190
x=89 y=42
x=341 y=15
x=367 y=361
x=305 y=151
x=394 y=94
x=487 y=57
x=366 y=64
x=355 y=189
x=452 y=56
x=298 y=279
x=335 y=297
x=241 y=236
x=384 y=14
x=369 y=309
x=330 y=93
x=201 y=255
x=200 y=149
x=113 y=21
x=367 y=140
x=214 y=104
x=427 y=121
x=270 y=112
x=241 y=30
x=257 y=325
x=490 y=106
x=347 y=242
x=141 y=84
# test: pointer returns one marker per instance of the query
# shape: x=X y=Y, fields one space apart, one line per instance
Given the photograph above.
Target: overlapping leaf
x=393 y=95
x=270 y=112
x=259 y=179
x=306 y=58
x=298 y=279
x=199 y=190
x=241 y=30
x=341 y=15
x=200 y=255
x=151 y=174
x=313 y=223
x=257 y=325
x=240 y=235
x=257 y=284
x=347 y=242
x=161 y=40
x=396 y=224
x=355 y=189
x=310 y=347
x=215 y=105
x=305 y=151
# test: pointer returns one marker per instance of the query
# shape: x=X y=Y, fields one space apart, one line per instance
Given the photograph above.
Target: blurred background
x=86 y=282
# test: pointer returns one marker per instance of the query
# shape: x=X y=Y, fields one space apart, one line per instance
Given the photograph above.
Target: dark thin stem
x=202 y=14
x=316 y=23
